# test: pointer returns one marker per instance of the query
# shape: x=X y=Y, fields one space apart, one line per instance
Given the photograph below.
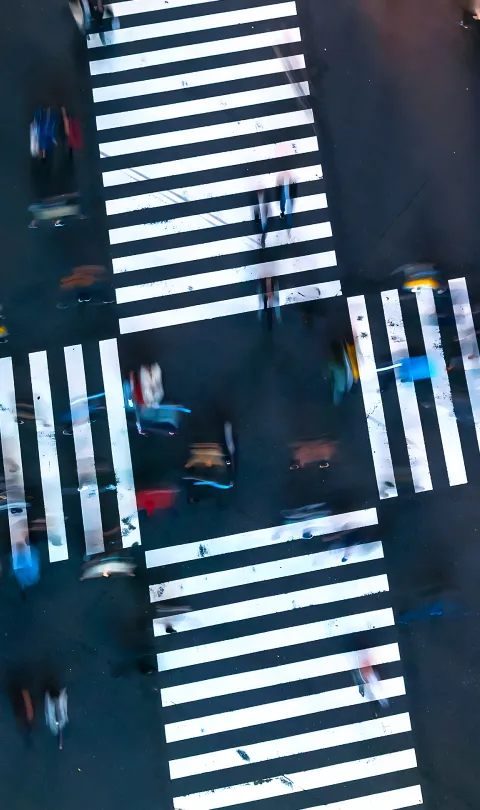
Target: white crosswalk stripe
x=228 y=117
x=240 y=185
x=406 y=393
x=185 y=53
x=201 y=107
x=371 y=395
x=468 y=345
x=47 y=450
x=186 y=25
x=289 y=783
x=238 y=671
x=231 y=306
x=230 y=216
x=236 y=129
x=216 y=160
x=198 y=79
x=429 y=364
x=64 y=424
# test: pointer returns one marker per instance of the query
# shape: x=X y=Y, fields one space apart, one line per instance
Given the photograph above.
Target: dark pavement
x=395 y=89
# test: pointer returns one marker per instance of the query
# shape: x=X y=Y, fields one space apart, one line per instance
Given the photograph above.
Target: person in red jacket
x=152 y=500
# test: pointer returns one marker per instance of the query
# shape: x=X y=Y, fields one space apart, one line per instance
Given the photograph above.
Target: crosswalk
x=40 y=401
x=449 y=410
x=256 y=686
x=198 y=106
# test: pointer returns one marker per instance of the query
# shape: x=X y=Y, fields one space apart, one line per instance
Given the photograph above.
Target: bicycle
x=56 y=715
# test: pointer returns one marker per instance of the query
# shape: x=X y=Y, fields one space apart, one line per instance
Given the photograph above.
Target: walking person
x=100 y=15
x=87 y=283
x=270 y=300
x=287 y=188
x=81 y=14
x=471 y=13
x=368 y=681
x=261 y=213
x=25 y=565
x=56 y=712
x=22 y=704
x=441 y=607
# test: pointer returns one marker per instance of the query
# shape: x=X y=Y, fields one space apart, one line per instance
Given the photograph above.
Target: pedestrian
x=368 y=681
x=25 y=565
x=100 y=15
x=287 y=188
x=471 y=13
x=87 y=283
x=317 y=451
x=152 y=500
x=433 y=610
x=261 y=213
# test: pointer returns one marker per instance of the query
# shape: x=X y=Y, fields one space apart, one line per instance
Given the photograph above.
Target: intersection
x=196 y=106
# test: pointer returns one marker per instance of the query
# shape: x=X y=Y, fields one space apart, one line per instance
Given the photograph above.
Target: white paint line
x=377 y=430
x=47 y=452
x=290 y=746
x=188 y=25
x=146 y=6
x=202 y=106
x=280 y=710
x=217 y=160
x=221 y=247
x=275 y=639
x=280 y=603
x=200 y=78
x=274 y=676
x=442 y=394
x=117 y=425
x=417 y=452
x=222 y=278
x=215 y=219
x=288 y=784
x=468 y=345
x=215 y=132
x=12 y=458
x=82 y=437
x=259 y=572
x=389 y=800
x=271 y=536
x=202 y=50
x=207 y=191
x=220 y=309
x=311 y=292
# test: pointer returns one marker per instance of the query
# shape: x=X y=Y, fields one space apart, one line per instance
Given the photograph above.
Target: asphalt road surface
x=196 y=105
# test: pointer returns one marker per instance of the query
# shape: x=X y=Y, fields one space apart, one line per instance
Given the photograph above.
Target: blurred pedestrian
x=316 y=451
x=433 y=610
x=261 y=213
x=471 y=13
x=153 y=500
x=269 y=300
x=80 y=10
x=88 y=283
x=287 y=188
x=25 y=565
x=102 y=16
x=22 y=704
x=368 y=682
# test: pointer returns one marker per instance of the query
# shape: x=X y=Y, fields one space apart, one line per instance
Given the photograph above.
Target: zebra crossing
x=258 y=699
x=40 y=401
x=198 y=106
x=446 y=407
